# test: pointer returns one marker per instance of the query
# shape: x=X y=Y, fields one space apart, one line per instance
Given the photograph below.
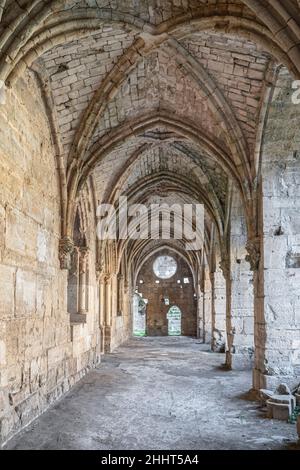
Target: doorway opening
x=174 y=321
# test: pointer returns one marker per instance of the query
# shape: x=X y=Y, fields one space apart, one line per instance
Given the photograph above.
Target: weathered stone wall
x=41 y=355
x=121 y=318
x=181 y=295
x=277 y=308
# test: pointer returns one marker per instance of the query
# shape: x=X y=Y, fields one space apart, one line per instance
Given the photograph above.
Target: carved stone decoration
x=253 y=257
x=83 y=258
x=73 y=268
x=66 y=247
x=225 y=266
x=107 y=278
x=100 y=274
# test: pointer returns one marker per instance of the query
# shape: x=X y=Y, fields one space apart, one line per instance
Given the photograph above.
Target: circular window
x=164 y=267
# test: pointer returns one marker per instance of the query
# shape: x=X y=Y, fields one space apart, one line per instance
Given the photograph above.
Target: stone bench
x=280 y=407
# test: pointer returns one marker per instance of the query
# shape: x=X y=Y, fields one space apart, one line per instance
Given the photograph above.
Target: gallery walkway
x=158 y=393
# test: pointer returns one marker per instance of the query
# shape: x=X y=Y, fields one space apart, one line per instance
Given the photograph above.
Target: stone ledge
x=77 y=318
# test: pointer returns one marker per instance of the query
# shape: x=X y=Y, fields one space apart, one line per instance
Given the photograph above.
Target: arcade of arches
x=161 y=101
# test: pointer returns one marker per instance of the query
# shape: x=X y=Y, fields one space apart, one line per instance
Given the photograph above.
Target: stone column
x=127 y=306
x=83 y=267
x=200 y=311
x=107 y=315
x=218 y=310
x=102 y=310
x=240 y=321
x=120 y=303
x=213 y=313
x=101 y=299
x=114 y=297
x=73 y=283
x=207 y=307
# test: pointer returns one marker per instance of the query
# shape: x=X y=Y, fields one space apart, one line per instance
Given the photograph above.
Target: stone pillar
x=240 y=334
x=213 y=313
x=218 y=311
x=127 y=307
x=107 y=315
x=114 y=296
x=120 y=289
x=73 y=283
x=277 y=249
x=87 y=288
x=207 y=307
x=200 y=311
x=83 y=269
x=101 y=284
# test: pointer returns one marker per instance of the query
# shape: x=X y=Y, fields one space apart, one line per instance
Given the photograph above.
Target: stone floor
x=158 y=393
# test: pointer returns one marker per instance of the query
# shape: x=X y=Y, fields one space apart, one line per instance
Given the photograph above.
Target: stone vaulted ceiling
x=142 y=91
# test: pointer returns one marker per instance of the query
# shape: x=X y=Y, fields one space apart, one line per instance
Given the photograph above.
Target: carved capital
x=66 y=247
x=101 y=276
x=100 y=273
x=253 y=257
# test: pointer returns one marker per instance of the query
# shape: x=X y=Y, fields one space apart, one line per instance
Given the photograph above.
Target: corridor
x=158 y=393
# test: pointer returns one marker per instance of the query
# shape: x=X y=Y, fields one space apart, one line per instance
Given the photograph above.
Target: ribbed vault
x=153 y=97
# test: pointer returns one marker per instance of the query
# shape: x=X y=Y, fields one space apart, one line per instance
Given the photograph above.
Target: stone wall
x=181 y=295
x=41 y=354
x=121 y=317
x=277 y=307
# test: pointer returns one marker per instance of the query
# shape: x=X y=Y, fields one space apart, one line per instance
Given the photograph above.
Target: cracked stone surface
x=158 y=393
